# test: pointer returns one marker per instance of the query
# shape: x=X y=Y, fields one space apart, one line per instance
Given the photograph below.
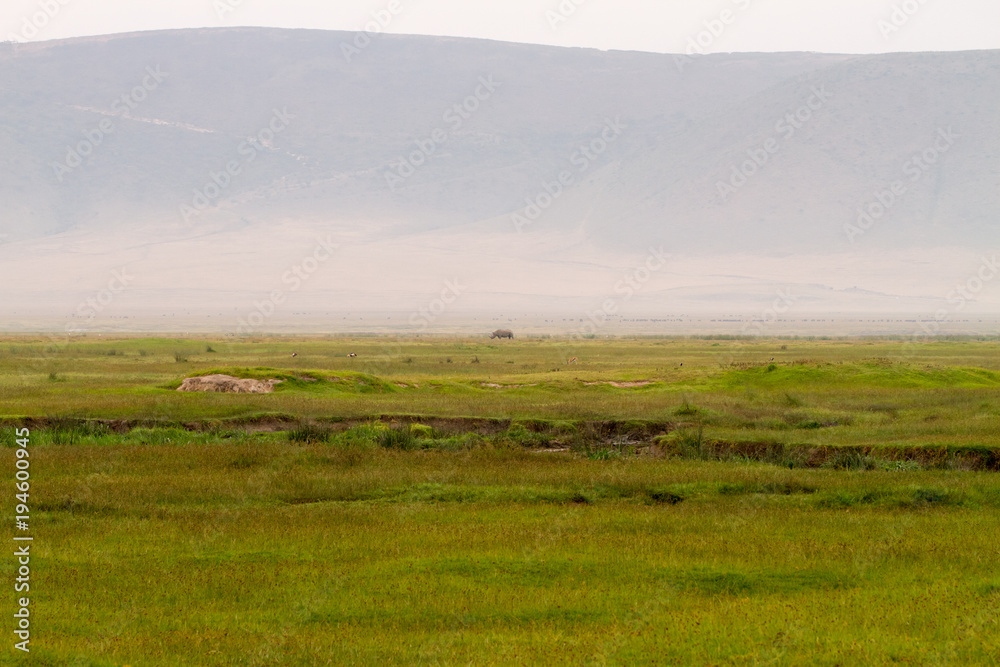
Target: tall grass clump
x=65 y=431
x=617 y=448
x=692 y=445
x=306 y=433
x=521 y=436
x=685 y=409
x=852 y=461
x=400 y=437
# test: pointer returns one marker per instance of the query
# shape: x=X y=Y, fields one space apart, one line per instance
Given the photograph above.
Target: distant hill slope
x=650 y=149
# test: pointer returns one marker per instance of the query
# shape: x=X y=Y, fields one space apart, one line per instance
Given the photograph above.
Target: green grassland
x=254 y=550
x=464 y=501
x=869 y=393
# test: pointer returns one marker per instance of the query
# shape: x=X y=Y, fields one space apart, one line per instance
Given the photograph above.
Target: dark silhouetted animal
x=502 y=333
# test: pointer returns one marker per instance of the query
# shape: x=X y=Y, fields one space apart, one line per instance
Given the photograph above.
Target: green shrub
x=421 y=431
x=363 y=435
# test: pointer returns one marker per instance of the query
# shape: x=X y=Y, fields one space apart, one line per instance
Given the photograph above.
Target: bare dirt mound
x=227 y=384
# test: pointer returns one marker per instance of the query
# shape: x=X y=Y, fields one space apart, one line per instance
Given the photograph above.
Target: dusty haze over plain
x=253 y=179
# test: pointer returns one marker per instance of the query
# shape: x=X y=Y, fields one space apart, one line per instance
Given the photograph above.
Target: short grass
x=262 y=550
x=360 y=528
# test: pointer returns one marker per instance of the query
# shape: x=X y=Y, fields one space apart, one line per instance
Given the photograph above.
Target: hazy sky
x=842 y=26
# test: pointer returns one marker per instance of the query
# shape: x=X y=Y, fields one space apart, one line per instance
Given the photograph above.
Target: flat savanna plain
x=457 y=501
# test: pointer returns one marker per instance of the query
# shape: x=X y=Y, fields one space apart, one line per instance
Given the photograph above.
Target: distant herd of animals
x=499 y=333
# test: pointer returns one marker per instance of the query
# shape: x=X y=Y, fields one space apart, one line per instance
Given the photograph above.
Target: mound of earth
x=228 y=384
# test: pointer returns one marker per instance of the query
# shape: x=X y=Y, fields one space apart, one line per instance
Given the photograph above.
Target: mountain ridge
x=324 y=170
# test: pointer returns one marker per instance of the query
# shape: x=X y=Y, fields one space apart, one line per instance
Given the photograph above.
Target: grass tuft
x=306 y=433
x=399 y=437
x=852 y=461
